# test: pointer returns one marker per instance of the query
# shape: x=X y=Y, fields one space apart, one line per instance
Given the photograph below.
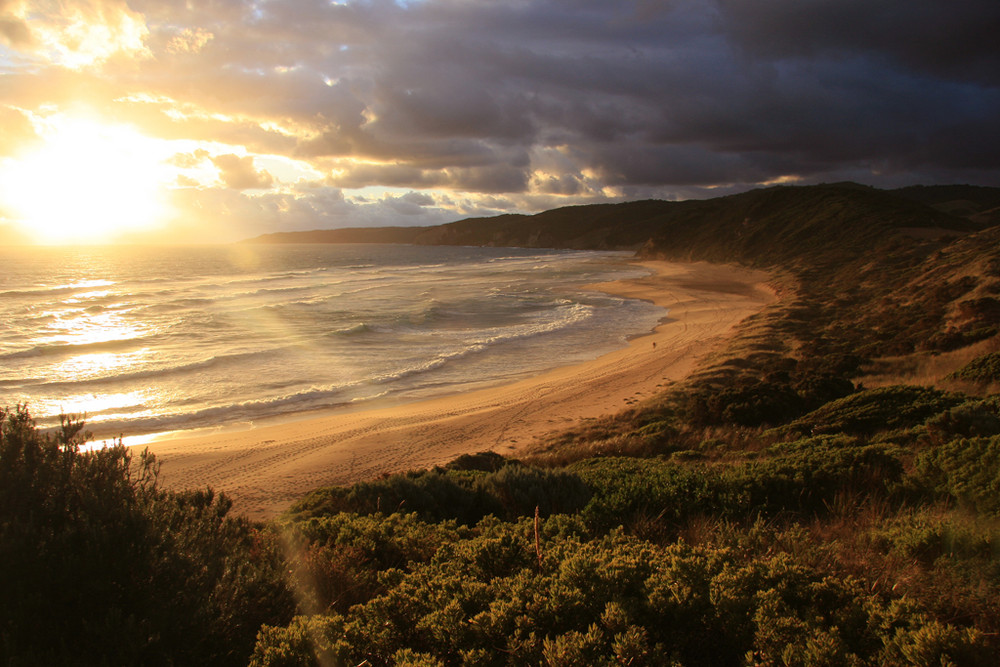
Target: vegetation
x=984 y=369
x=804 y=498
x=101 y=566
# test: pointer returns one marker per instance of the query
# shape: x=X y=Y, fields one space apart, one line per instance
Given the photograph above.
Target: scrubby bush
x=487 y=600
x=807 y=477
x=336 y=560
x=748 y=403
x=630 y=492
x=511 y=491
x=101 y=566
x=867 y=412
x=804 y=477
x=965 y=469
x=969 y=419
x=981 y=369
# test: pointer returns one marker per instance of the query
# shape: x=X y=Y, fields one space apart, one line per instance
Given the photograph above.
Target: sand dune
x=265 y=469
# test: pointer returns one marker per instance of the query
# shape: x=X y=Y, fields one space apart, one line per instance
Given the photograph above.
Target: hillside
x=979 y=204
x=743 y=227
x=824 y=490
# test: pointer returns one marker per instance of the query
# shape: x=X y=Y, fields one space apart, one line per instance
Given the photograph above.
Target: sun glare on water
x=87 y=183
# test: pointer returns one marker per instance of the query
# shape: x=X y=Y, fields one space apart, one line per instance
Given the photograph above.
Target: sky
x=216 y=120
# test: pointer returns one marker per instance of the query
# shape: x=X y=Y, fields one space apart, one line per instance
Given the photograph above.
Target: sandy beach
x=265 y=469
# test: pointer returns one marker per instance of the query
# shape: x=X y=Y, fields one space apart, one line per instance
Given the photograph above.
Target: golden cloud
x=74 y=33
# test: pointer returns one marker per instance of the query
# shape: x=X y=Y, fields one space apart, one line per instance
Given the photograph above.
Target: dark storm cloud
x=553 y=101
x=951 y=40
x=679 y=93
x=670 y=93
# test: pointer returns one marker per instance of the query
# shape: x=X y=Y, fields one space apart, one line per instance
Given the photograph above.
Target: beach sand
x=265 y=469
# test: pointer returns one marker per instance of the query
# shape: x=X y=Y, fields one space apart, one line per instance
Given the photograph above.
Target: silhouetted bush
x=100 y=566
x=748 y=403
x=968 y=420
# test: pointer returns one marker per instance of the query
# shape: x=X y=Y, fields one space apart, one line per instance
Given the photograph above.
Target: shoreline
x=268 y=467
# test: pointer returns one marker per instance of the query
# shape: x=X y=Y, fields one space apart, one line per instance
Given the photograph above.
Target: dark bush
x=807 y=477
x=100 y=566
x=747 y=403
x=968 y=420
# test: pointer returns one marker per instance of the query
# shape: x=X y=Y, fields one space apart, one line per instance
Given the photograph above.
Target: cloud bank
x=319 y=114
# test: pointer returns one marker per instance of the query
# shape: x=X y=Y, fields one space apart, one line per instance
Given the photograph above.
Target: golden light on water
x=85 y=328
x=101 y=364
x=83 y=404
x=87 y=182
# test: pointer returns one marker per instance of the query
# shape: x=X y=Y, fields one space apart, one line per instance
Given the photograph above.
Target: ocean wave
x=246 y=411
x=18 y=383
x=231 y=282
x=568 y=316
x=282 y=340
x=54 y=290
x=160 y=373
x=543 y=317
x=485 y=340
x=353 y=330
x=175 y=417
x=295 y=306
x=71 y=349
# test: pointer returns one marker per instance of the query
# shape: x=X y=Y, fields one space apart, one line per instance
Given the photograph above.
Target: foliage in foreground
x=750 y=595
x=101 y=566
x=870 y=546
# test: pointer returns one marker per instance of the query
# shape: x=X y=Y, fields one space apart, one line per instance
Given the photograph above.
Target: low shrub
x=511 y=491
x=869 y=411
x=965 y=469
x=983 y=369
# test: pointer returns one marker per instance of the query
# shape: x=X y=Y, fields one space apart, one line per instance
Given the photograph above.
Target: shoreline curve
x=265 y=469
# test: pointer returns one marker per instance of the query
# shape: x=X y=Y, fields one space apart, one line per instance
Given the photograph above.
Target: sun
x=88 y=182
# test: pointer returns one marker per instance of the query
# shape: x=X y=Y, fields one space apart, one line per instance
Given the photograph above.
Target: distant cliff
x=761 y=227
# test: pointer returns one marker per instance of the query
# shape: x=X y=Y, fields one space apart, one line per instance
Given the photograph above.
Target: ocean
x=150 y=340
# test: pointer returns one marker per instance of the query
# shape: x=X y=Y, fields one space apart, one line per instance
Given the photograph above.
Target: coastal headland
x=265 y=469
